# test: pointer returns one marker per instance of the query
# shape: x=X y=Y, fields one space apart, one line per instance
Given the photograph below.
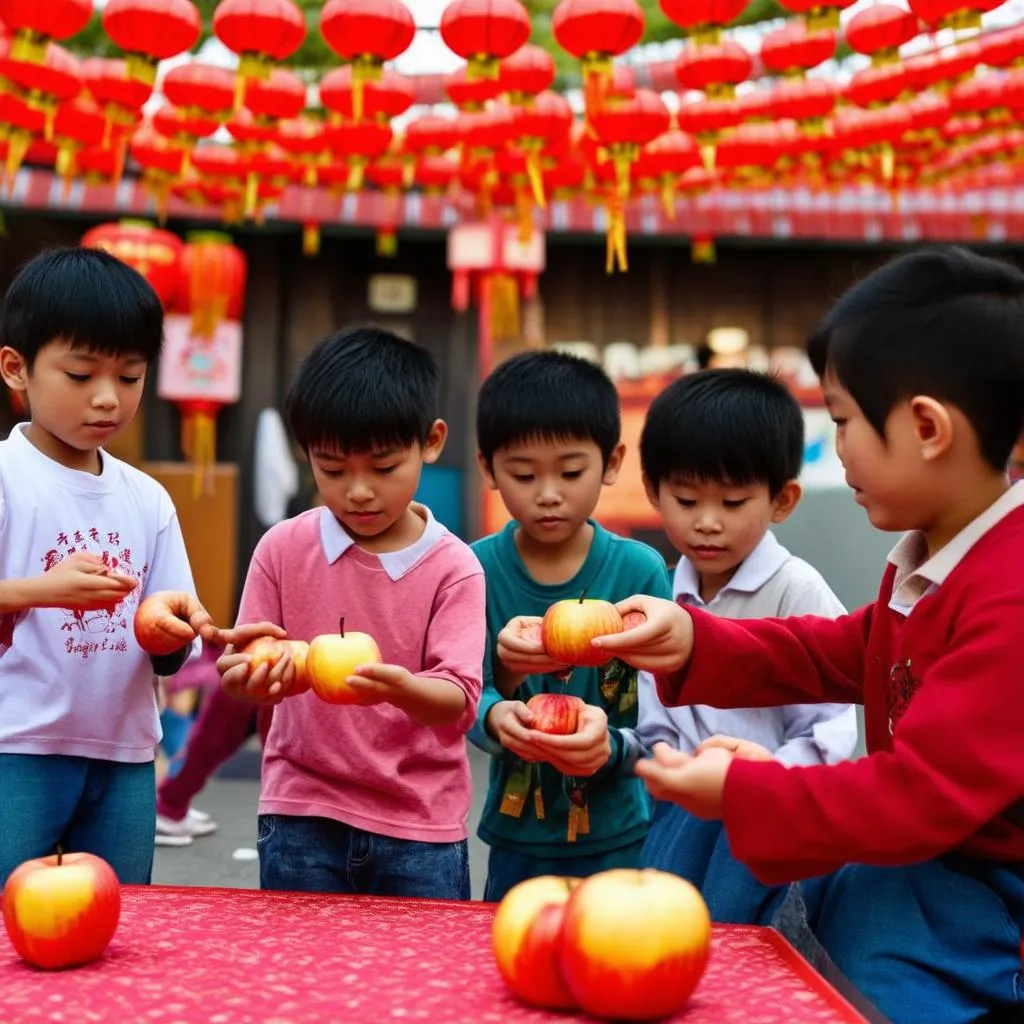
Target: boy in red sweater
x=915 y=853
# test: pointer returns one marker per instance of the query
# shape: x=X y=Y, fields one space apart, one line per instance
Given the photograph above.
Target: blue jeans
x=322 y=855
x=83 y=805
x=932 y=943
x=699 y=852
x=506 y=868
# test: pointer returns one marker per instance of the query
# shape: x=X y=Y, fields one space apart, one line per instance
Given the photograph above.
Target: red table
x=232 y=956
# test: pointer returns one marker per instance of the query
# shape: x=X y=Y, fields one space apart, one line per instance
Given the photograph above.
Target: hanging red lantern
x=431 y=135
x=366 y=33
x=161 y=162
x=435 y=174
x=953 y=14
x=22 y=124
x=703 y=20
x=279 y=97
x=879 y=32
x=122 y=98
x=484 y=32
x=35 y=23
x=153 y=252
x=99 y=166
x=808 y=102
x=1003 y=48
x=818 y=14
x=527 y=73
x=150 y=32
x=303 y=138
x=714 y=68
x=874 y=85
x=358 y=143
x=793 y=50
x=184 y=128
x=470 y=94
x=45 y=85
x=200 y=90
x=486 y=132
x=384 y=98
x=756 y=105
x=664 y=161
x=77 y=124
x=544 y=125
x=261 y=32
x=595 y=32
x=388 y=176
x=706 y=120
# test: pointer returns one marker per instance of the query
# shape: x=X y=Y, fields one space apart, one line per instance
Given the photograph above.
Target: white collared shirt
x=770 y=582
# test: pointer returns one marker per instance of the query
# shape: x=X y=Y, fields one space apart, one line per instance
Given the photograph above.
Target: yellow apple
x=333 y=657
x=268 y=650
x=569 y=626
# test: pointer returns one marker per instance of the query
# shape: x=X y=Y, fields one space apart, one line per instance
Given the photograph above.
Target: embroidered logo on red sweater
x=902 y=687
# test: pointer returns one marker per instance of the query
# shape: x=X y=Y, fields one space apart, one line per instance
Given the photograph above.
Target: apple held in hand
x=162 y=621
x=527 y=941
x=268 y=650
x=61 y=911
x=569 y=626
x=556 y=713
x=333 y=657
x=634 y=943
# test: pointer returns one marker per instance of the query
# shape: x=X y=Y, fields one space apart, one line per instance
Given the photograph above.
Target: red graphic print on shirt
x=902 y=687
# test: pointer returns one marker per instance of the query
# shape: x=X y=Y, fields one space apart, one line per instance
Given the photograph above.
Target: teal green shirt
x=617 y=811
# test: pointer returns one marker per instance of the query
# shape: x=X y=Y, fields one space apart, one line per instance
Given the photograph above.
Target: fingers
x=669 y=756
x=723 y=742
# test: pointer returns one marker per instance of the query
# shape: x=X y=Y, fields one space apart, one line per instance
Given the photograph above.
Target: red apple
x=268 y=650
x=556 y=713
x=333 y=657
x=162 y=621
x=62 y=911
x=634 y=943
x=526 y=935
x=569 y=626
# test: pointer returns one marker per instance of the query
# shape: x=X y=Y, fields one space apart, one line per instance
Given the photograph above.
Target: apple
x=162 y=621
x=268 y=650
x=333 y=657
x=634 y=943
x=526 y=936
x=569 y=626
x=555 y=713
x=61 y=911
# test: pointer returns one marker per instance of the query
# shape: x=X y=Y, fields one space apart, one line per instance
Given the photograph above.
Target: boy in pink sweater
x=371 y=798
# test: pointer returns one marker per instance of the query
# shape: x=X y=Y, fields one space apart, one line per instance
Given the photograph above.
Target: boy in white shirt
x=83 y=539
x=721 y=451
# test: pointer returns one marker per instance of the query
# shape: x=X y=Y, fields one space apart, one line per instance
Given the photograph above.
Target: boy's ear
x=485 y=471
x=434 y=444
x=611 y=471
x=786 y=500
x=933 y=425
x=13 y=369
x=652 y=493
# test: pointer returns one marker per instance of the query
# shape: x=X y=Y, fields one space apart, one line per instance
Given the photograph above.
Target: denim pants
x=507 y=868
x=932 y=943
x=300 y=854
x=81 y=804
x=699 y=851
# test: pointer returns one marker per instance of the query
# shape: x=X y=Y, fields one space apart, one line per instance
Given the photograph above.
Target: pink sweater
x=373 y=768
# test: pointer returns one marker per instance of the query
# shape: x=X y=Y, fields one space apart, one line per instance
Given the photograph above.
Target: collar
x=754 y=572
x=916 y=573
x=396 y=564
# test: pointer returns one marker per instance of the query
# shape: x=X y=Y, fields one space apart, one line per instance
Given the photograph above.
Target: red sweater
x=943 y=696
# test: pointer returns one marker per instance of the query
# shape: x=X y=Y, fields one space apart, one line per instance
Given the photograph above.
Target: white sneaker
x=192 y=826
x=165 y=840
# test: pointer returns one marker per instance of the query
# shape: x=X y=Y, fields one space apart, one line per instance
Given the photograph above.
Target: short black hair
x=724 y=426
x=84 y=297
x=363 y=390
x=547 y=396
x=942 y=322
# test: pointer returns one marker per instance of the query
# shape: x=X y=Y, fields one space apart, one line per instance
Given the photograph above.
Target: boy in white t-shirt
x=83 y=538
x=721 y=451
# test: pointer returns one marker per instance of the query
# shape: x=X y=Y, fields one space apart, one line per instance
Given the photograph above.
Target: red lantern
x=792 y=49
x=715 y=69
x=366 y=33
x=150 y=32
x=470 y=93
x=303 y=138
x=706 y=120
x=818 y=14
x=260 y=32
x=435 y=174
x=161 y=164
x=807 y=102
x=154 y=253
x=544 y=125
x=44 y=85
x=953 y=14
x=358 y=143
x=281 y=96
x=183 y=128
x=880 y=31
x=431 y=135
x=98 y=165
x=594 y=32
x=528 y=72
x=1003 y=48
x=387 y=97
x=200 y=90
x=484 y=32
x=77 y=124
x=486 y=132
x=34 y=23
x=121 y=98
x=664 y=161
x=702 y=20
x=22 y=123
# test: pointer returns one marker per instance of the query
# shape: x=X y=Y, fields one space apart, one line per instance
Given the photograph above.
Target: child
x=370 y=799
x=721 y=451
x=83 y=538
x=548 y=434
x=923 y=370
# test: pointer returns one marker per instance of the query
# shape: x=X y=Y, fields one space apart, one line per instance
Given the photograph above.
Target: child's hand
x=520 y=649
x=82 y=582
x=381 y=684
x=696 y=783
x=662 y=642
x=509 y=722
x=583 y=752
x=264 y=685
x=745 y=750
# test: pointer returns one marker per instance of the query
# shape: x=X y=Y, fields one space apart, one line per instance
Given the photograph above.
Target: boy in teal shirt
x=548 y=430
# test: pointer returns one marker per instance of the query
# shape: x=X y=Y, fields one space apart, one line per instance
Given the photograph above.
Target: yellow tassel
x=536 y=178
x=310 y=239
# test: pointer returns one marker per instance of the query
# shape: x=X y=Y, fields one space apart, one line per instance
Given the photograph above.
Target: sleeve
x=489 y=696
x=955 y=765
x=456 y=636
x=261 y=595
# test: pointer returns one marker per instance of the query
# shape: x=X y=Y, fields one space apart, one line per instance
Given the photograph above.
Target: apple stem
x=582 y=596
x=60 y=855
x=341 y=626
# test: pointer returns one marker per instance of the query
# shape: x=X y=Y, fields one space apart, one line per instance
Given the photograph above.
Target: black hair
x=547 y=396
x=942 y=322
x=85 y=297
x=362 y=390
x=724 y=426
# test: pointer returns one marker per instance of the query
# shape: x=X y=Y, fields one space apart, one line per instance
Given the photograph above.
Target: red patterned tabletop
x=225 y=956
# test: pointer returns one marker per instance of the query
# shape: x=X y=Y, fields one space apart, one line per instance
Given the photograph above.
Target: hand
x=583 y=752
x=82 y=582
x=696 y=783
x=661 y=643
x=381 y=684
x=509 y=722
x=745 y=750
x=177 y=618
x=264 y=685
x=520 y=649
